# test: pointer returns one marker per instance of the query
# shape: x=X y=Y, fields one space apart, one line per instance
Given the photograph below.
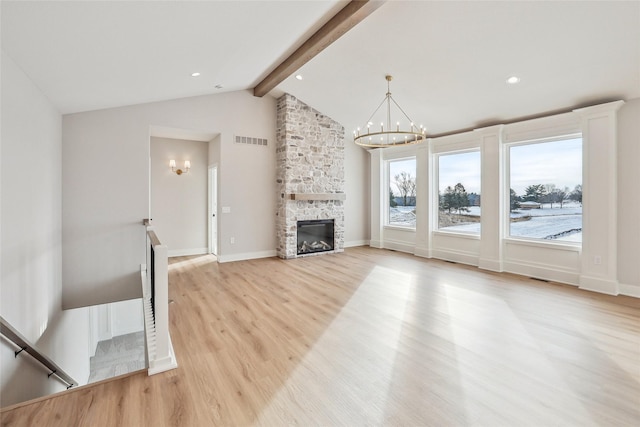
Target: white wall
x=106 y=188
x=179 y=202
x=30 y=240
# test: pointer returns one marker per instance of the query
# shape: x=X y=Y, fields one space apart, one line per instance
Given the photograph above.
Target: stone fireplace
x=310 y=176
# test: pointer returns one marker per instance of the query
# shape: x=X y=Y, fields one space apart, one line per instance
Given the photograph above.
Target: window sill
x=463 y=235
x=399 y=228
x=564 y=246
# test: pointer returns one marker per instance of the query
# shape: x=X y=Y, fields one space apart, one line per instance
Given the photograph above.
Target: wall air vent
x=250 y=141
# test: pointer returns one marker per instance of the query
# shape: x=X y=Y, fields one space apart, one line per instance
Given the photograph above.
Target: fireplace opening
x=315 y=236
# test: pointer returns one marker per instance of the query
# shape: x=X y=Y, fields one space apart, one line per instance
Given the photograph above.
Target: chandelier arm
x=375 y=111
x=400 y=108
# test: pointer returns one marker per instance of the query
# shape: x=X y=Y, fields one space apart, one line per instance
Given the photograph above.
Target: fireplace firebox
x=315 y=236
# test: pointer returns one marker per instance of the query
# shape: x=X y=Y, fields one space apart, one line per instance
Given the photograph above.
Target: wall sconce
x=187 y=166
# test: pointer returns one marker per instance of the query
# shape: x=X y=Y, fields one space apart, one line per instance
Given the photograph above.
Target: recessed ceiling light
x=299 y=76
x=513 y=80
x=196 y=74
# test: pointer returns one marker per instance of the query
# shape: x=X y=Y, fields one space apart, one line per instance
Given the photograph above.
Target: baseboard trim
x=423 y=252
x=246 y=256
x=165 y=364
x=460 y=257
x=598 y=284
x=490 y=265
x=187 y=252
x=629 y=290
x=398 y=246
x=376 y=244
x=354 y=243
x=541 y=272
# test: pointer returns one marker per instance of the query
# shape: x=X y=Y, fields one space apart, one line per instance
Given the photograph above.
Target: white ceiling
x=449 y=59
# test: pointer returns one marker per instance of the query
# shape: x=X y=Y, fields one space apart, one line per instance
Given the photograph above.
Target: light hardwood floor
x=372 y=337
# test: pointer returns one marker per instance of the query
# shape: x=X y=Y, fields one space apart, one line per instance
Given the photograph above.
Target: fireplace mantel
x=318 y=196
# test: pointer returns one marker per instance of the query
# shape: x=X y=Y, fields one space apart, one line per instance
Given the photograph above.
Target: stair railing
x=155 y=294
x=25 y=346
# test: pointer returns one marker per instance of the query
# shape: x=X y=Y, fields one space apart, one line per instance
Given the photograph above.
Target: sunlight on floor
x=370 y=348
x=495 y=352
x=193 y=262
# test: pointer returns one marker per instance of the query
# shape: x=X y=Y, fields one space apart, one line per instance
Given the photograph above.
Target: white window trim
x=506 y=146
x=436 y=187
x=387 y=180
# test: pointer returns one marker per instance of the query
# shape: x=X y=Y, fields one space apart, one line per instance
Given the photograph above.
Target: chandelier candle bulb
x=397 y=126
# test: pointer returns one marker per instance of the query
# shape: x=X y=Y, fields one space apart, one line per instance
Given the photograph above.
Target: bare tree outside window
x=402 y=193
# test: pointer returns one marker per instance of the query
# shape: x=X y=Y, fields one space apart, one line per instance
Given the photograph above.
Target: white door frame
x=213 y=210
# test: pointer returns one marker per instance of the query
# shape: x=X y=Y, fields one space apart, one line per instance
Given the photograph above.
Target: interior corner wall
x=179 y=202
x=30 y=237
x=628 y=201
x=357 y=227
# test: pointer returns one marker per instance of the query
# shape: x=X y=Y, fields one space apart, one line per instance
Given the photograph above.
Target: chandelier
x=386 y=135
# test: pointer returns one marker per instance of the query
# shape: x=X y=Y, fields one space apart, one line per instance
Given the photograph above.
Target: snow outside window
x=459 y=192
x=545 y=200
x=402 y=193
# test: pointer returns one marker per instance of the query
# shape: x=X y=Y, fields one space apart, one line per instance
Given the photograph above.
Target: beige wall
x=179 y=202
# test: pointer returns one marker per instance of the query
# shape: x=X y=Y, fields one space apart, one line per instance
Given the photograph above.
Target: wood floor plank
x=372 y=337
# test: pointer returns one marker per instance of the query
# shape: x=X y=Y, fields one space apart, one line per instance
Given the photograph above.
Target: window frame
x=436 y=187
x=534 y=241
x=387 y=182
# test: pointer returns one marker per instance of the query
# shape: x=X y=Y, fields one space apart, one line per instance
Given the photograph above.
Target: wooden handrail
x=153 y=238
x=18 y=339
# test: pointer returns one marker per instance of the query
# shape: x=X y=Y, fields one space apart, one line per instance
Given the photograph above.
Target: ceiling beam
x=352 y=14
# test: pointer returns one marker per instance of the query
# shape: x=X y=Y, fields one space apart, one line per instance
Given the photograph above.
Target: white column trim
x=376 y=198
x=599 y=198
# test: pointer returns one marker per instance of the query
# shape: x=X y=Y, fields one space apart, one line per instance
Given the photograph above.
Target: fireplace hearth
x=315 y=236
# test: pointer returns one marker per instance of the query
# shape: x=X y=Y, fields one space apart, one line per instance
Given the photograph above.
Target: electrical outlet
x=232 y=240
x=597 y=260
x=226 y=209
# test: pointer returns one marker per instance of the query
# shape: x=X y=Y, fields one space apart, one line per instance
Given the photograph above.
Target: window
x=459 y=192
x=402 y=193
x=545 y=200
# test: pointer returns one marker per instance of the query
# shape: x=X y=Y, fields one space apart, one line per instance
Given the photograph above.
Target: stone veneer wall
x=310 y=159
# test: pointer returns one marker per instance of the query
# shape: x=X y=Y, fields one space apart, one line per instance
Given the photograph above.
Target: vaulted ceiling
x=449 y=59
